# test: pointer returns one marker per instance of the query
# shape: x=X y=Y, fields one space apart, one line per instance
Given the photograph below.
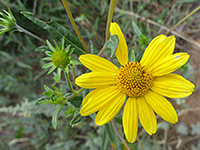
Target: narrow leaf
x=136 y=29
x=58 y=32
x=105 y=140
x=55 y=115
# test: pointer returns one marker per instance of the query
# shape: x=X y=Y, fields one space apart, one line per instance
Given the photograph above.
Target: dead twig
x=179 y=34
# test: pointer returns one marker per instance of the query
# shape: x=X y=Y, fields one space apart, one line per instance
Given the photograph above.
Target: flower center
x=60 y=59
x=134 y=79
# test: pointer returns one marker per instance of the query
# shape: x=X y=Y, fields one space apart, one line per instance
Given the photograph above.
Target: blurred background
x=25 y=125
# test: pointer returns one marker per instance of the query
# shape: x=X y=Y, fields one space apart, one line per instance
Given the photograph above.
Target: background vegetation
x=26 y=125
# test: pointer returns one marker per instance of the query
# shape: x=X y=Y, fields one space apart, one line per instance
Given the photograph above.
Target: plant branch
x=124 y=142
x=140 y=143
x=74 y=24
x=110 y=15
x=30 y=34
x=68 y=81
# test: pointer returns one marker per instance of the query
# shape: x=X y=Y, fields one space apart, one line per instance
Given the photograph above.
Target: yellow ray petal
x=169 y=64
x=161 y=106
x=95 y=79
x=130 y=120
x=96 y=63
x=160 y=47
x=172 y=86
x=122 y=50
x=100 y=98
x=108 y=112
x=146 y=116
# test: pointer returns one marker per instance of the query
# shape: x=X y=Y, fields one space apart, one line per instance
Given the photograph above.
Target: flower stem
x=124 y=142
x=73 y=95
x=68 y=81
x=29 y=33
x=110 y=15
x=74 y=24
x=140 y=143
x=74 y=76
x=186 y=17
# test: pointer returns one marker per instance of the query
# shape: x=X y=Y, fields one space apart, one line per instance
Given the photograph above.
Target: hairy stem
x=68 y=81
x=30 y=34
x=186 y=17
x=74 y=24
x=73 y=95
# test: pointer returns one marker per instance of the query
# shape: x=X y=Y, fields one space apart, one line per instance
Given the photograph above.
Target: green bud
x=60 y=59
x=7 y=21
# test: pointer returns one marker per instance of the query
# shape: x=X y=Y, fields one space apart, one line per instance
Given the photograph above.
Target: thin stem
x=110 y=15
x=140 y=143
x=125 y=144
x=183 y=20
x=68 y=81
x=102 y=50
x=74 y=76
x=29 y=33
x=74 y=24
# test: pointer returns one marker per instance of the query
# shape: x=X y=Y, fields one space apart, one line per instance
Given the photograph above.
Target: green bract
x=59 y=57
x=7 y=21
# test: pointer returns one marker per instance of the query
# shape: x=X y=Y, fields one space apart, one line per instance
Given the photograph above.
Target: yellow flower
x=145 y=83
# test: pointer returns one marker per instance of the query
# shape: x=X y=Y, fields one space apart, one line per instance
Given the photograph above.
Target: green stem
x=74 y=24
x=29 y=33
x=73 y=95
x=68 y=81
x=183 y=20
x=74 y=76
x=110 y=15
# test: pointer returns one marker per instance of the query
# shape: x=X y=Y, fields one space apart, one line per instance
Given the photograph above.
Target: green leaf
x=47 y=65
x=47 y=88
x=58 y=32
x=76 y=101
x=136 y=29
x=55 y=115
x=133 y=56
x=113 y=136
x=112 y=44
x=110 y=132
x=44 y=101
x=23 y=65
x=105 y=140
x=75 y=119
x=75 y=62
x=50 y=46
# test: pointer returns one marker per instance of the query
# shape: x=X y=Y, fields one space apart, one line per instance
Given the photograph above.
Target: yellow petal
x=159 y=48
x=122 y=50
x=146 y=116
x=172 y=86
x=108 y=112
x=96 y=79
x=161 y=106
x=130 y=120
x=100 y=98
x=96 y=63
x=169 y=64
